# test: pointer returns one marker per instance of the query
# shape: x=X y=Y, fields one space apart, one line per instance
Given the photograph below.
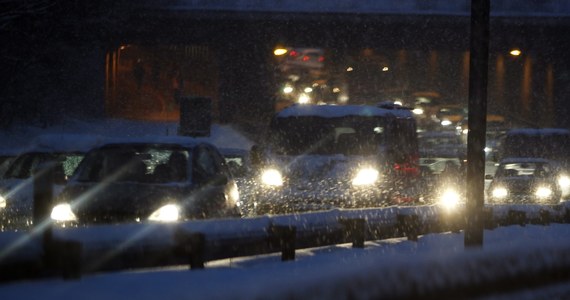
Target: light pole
x=478 y=73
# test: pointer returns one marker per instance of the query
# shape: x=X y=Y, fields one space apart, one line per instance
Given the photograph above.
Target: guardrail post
x=544 y=217
x=42 y=193
x=566 y=217
x=192 y=246
x=71 y=259
x=515 y=217
x=284 y=236
x=489 y=218
x=355 y=230
x=63 y=255
x=408 y=225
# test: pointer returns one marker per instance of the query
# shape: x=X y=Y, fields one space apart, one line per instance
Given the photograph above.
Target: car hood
x=334 y=169
x=523 y=184
x=19 y=193
x=121 y=201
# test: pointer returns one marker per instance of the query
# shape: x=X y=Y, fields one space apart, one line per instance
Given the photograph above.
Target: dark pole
x=478 y=70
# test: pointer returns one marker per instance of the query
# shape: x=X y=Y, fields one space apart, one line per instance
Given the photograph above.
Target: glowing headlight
x=167 y=213
x=500 y=192
x=366 y=177
x=418 y=111
x=543 y=192
x=449 y=199
x=564 y=181
x=62 y=213
x=445 y=123
x=2 y=202
x=272 y=177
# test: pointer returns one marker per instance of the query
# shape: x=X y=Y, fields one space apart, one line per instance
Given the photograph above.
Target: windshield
x=139 y=164
x=317 y=135
x=24 y=165
x=524 y=169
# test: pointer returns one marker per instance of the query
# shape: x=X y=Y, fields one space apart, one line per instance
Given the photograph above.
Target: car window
x=205 y=165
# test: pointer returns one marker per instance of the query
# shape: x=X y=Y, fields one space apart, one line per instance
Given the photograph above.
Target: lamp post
x=478 y=72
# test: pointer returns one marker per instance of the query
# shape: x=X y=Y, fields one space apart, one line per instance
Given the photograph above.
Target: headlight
x=564 y=181
x=62 y=213
x=445 y=123
x=366 y=177
x=272 y=177
x=167 y=213
x=2 y=202
x=449 y=199
x=543 y=192
x=499 y=192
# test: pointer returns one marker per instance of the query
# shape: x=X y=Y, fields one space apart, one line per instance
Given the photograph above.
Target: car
x=449 y=115
x=148 y=179
x=63 y=151
x=524 y=180
x=320 y=157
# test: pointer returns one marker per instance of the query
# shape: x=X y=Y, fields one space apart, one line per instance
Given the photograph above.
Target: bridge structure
x=224 y=50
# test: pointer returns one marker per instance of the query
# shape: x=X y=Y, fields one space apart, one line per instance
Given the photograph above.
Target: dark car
x=63 y=152
x=162 y=179
x=525 y=180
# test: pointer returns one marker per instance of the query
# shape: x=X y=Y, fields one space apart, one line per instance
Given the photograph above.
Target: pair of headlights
x=541 y=192
x=167 y=213
x=365 y=176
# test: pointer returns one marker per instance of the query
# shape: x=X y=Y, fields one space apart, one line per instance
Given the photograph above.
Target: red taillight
x=321 y=58
x=306 y=58
x=293 y=53
x=411 y=167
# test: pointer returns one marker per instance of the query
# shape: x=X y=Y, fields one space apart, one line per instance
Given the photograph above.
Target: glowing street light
x=515 y=52
x=385 y=69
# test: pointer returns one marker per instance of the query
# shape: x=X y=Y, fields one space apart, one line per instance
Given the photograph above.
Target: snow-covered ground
x=382 y=269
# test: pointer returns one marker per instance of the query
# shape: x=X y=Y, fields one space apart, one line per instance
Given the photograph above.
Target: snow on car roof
x=510 y=160
x=167 y=139
x=336 y=111
x=65 y=142
x=539 y=131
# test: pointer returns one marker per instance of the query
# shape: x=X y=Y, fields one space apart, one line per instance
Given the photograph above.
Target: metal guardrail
x=71 y=252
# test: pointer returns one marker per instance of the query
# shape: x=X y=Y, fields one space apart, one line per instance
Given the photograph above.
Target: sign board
x=195 y=116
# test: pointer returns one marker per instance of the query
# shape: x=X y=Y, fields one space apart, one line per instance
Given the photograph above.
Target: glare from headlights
x=564 y=181
x=62 y=213
x=272 y=177
x=500 y=192
x=2 y=202
x=543 y=192
x=445 y=123
x=449 y=198
x=167 y=213
x=418 y=111
x=366 y=176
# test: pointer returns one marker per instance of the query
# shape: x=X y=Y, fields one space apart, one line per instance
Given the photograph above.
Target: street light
x=515 y=52
x=279 y=51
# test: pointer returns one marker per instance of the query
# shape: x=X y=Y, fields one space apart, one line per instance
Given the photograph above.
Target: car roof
x=538 y=131
x=62 y=143
x=524 y=160
x=336 y=111
x=153 y=140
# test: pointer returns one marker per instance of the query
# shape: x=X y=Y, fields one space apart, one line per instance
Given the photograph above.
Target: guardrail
x=71 y=252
